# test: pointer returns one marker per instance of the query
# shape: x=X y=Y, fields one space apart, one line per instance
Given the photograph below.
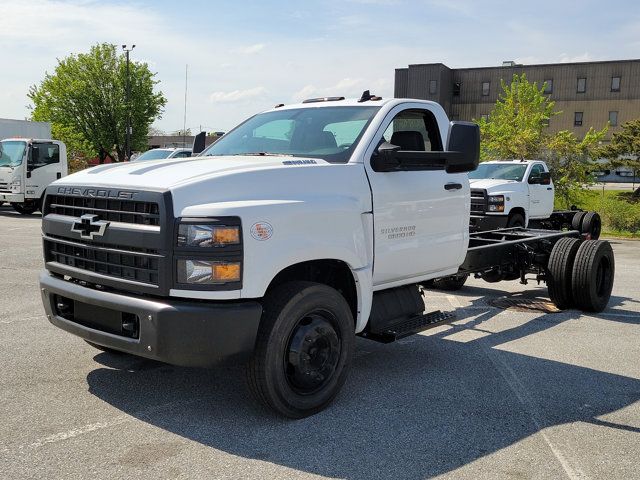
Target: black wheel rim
x=313 y=352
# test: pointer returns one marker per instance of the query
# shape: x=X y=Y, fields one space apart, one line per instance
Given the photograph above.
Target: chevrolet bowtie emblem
x=88 y=226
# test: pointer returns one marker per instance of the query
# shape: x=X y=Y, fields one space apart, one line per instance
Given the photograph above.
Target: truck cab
x=510 y=193
x=27 y=167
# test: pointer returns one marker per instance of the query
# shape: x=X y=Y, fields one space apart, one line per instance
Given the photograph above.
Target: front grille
x=132 y=254
x=478 y=201
x=110 y=209
x=113 y=262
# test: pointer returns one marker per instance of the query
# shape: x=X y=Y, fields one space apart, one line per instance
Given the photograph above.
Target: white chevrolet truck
x=520 y=193
x=301 y=228
x=27 y=167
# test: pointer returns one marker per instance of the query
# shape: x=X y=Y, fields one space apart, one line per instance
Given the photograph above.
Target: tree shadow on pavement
x=417 y=408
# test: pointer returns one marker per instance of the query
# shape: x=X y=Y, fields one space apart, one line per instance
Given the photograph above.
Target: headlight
x=208 y=253
x=15 y=185
x=496 y=203
x=194 y=235
x=208 y=272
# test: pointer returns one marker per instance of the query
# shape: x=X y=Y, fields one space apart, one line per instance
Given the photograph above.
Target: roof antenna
x=366 y=96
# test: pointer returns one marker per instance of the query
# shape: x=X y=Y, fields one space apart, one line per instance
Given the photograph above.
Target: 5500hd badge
x=96 y=192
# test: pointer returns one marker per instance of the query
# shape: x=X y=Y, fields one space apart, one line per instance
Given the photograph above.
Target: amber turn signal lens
x=226 y=272
x=226 y=236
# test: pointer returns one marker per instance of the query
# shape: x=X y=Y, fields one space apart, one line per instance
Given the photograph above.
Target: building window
x=548 y=88
x=456 y=89
x=613 y=119
x=615 y=84
x=577 y=119
x=485 y=88
x=433 y=87
x=582 y=85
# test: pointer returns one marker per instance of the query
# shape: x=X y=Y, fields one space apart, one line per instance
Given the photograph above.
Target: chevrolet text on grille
x=96 y=193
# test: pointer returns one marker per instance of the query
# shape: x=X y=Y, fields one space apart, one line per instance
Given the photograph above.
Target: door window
x=43 y=154
x=536 y=171
x=415 y=130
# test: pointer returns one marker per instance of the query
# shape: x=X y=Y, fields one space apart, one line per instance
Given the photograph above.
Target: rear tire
x=576 y=221
x=303 y=350
x=591 y=225
x=560 y=270
x=593 y=274
x=24 y=208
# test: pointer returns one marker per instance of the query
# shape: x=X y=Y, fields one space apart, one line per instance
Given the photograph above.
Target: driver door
x=43 y=167
x=420 y=217
x=540 y=196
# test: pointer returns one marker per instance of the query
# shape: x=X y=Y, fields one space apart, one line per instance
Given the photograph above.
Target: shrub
x=620 y=215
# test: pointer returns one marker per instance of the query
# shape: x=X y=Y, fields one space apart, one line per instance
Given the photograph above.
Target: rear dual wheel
x=580 y=274
x=592 y=278
x=560 y=271
x=303 y=350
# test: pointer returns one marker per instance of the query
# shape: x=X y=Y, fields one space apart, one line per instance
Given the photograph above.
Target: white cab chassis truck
x=301 y=228
x=27 y=167
x=520 y=193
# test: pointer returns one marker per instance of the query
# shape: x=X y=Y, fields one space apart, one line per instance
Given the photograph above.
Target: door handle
x=452 y=186
x=549 y=188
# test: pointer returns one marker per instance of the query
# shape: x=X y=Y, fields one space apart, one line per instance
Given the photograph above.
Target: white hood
x=167 y=174
x=492 y=183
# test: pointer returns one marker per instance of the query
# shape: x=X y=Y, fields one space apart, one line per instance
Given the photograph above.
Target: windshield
x=11 y=153
x=153 y=155
x=507 y=171
x=329 y=133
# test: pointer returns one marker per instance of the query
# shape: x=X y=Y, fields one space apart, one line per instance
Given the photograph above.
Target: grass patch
x=620 y=211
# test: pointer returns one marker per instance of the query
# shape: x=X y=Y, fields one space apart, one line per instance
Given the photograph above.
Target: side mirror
x=464 y=145
x=462 y=154
x=545 y=178
x=384 y=158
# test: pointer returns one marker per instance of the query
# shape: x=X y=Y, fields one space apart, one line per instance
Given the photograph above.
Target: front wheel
x=25 y=208
x=515 y=220
x=303 y=350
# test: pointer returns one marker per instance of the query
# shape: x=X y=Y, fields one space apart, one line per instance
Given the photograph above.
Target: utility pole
x=127 y=138
x=184 y=124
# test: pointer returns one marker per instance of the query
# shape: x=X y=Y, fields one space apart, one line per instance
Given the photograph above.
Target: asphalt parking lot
x=498 y=394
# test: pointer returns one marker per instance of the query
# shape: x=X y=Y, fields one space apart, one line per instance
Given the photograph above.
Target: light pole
x=127 y=138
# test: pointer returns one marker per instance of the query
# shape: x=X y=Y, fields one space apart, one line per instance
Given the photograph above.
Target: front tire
x=303 y=350
x=515 y=220
x=24 y=208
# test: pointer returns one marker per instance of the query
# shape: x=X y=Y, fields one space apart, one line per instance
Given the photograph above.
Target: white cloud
x=236 y=95
x=251 y=49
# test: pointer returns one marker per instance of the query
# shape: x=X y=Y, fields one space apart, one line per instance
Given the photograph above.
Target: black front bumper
x=185 y=333
x=482 y=223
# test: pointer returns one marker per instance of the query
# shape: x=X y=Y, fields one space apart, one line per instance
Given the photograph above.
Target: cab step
x=410 y=326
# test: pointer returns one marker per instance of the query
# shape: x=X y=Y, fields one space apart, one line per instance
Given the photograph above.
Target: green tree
x=85 y=101
x=571 y=161
x=516 y=126
x=624 y=149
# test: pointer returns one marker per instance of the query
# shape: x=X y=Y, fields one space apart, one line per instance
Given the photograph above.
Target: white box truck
x=27 y=167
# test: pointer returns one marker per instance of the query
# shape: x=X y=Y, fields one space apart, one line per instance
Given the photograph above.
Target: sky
x=246 y=56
